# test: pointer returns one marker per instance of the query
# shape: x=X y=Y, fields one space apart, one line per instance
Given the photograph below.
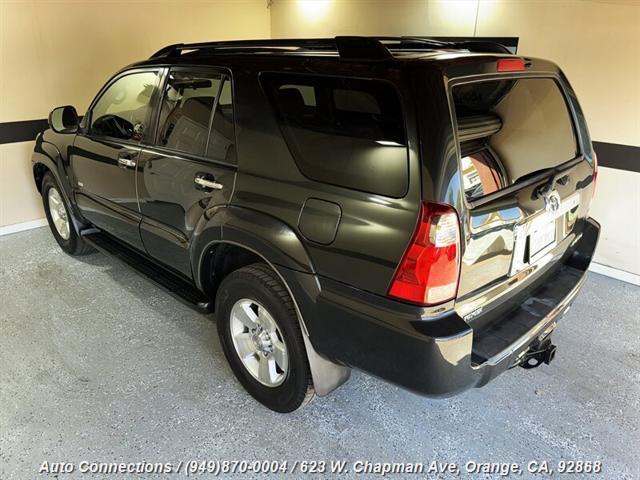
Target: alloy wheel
x=259 y=343
x=59 y=213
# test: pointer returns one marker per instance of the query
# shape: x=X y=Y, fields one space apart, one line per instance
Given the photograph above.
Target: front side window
x=186 y=123
x=124 y=109
x=343 y=131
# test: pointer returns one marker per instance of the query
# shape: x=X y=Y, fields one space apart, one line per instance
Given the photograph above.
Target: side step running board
x=180 y=288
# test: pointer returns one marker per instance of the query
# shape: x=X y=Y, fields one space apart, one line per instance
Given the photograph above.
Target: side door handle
x=126 y=159
x=206 y=182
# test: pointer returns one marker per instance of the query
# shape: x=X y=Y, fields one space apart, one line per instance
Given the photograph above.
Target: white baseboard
x=615 y=273
x=20 y=227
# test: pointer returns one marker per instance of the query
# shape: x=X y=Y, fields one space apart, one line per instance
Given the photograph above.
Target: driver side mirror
x=64 y=119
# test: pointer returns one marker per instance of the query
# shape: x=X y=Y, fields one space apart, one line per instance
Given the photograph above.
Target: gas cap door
x=319 y=220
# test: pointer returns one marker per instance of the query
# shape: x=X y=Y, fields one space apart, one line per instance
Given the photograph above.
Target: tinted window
x=521 y=127
x=480 y=173
x=123 y=111
x=343 y=131
x=185 y=116
x=221 y=145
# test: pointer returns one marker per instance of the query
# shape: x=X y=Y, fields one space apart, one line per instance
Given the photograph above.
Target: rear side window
x=187 y=120
x=343 y=131
x=510 y=129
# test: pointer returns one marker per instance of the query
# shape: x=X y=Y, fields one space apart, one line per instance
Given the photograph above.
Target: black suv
x=413 y=208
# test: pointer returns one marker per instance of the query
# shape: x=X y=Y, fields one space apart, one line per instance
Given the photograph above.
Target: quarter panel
x=374 y=230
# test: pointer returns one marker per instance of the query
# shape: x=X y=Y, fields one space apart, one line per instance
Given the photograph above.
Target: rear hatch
x=526 y=179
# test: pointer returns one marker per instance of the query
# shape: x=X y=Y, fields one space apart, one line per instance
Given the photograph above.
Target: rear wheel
x=59 y=218
x=261 y=338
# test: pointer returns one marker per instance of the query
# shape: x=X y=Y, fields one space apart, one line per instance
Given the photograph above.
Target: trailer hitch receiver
x=544 y=352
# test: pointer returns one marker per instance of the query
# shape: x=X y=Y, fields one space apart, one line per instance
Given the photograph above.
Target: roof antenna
x=475 y=24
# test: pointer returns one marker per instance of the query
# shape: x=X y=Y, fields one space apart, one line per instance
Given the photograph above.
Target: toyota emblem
x=551 y=202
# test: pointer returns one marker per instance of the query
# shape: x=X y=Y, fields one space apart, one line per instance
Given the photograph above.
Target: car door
x=105 y=153
x=191 y=166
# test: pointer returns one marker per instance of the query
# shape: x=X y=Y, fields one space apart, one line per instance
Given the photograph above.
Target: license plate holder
x=543 y=236
x=533 y=238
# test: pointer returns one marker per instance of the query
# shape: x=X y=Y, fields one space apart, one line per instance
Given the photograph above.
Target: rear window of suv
x=343 y=131
x=509 y=130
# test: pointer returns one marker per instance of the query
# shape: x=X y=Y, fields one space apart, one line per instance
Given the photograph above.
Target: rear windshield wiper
x=553 y=175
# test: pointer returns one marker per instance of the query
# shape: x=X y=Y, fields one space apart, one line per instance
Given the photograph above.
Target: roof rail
x=478 y=45
x=348 y=47
x=252 y=45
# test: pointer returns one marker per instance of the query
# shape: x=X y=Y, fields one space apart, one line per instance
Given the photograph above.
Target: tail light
x=429 y=270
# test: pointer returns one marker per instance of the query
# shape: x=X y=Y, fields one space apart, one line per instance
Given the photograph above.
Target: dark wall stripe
x=612 y=155
x=13 y=132
x=621 y=157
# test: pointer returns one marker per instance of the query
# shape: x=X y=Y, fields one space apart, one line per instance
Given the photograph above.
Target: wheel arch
x=253 y=236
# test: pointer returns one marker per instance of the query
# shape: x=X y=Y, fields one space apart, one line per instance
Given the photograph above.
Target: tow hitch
x=543 y=352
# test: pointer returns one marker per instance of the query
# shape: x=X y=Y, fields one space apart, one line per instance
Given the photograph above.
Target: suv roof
x=345 y=47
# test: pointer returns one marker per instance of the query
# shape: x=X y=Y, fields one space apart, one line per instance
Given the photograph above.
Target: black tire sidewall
x=71 y=244
x=289 y=395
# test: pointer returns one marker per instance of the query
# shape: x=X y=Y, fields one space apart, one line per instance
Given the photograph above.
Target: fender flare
x=281 y=248
x=269 y=237
x=47 y=154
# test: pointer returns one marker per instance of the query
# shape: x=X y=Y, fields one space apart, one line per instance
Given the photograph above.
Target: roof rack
x=348 y=47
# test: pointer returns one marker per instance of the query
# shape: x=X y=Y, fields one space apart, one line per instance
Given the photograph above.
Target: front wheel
x=261 y=338
x=59 y=218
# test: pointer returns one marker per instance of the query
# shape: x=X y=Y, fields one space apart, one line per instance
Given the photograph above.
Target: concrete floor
x=98 y=364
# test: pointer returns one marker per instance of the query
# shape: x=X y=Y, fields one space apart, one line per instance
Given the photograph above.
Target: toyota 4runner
x=412 y=208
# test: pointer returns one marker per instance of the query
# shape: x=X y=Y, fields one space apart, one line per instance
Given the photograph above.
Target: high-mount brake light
x=511 y=65
x=429 y=271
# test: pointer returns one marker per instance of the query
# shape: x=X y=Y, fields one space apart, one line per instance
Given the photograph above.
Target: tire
x=56 y=206
x=258 y=289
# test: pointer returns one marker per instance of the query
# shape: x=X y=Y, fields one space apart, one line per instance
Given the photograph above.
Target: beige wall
x=19 y=201
x=61 y=52
x=596 y=42
x=322 y=18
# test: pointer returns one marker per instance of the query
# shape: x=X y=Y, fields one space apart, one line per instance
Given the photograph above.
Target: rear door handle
x=126 y=159
x=204 y=183
x=126 y=162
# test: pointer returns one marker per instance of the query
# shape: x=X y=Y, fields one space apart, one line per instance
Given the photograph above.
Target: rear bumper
x=437 y=356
